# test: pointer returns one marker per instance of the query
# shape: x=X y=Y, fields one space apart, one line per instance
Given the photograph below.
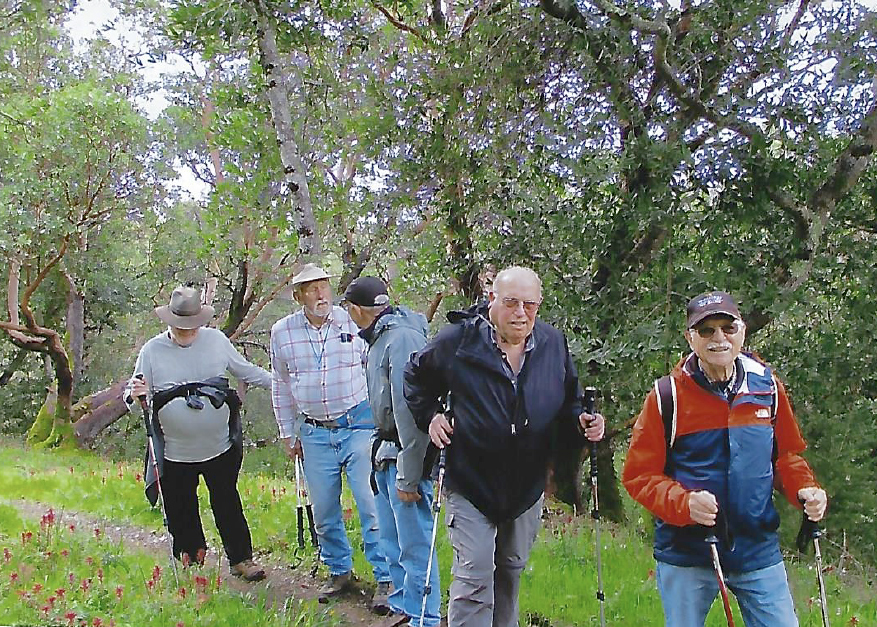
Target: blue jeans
x=406 y=535
x=687 y=592
x=328 y=453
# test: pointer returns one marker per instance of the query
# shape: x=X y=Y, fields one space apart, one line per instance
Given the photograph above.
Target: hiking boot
x=380 y=605
x=335 y=585
x=248 y=570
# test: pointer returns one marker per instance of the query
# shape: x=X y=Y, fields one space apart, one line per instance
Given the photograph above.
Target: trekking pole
x=713 y=541
x=309 y=510
x=299 y=510
x=810 y=531
x=150 y=447
x=436 y=508
x=590 y=402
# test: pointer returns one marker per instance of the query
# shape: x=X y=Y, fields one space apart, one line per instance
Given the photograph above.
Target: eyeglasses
x=708 y=331
x=530 y=306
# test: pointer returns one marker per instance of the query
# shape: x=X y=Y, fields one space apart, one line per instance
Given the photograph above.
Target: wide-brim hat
x=309 y=272
x=711 y=304
x=185 y=310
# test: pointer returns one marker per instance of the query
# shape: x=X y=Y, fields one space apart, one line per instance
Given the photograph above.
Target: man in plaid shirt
x=321 y=406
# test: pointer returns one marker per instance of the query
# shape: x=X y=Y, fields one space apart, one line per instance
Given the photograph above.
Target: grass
x=54 y=575
x=558 y=586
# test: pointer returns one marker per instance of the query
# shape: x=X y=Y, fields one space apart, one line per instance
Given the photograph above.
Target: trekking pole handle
x=589 y=400
x=144 y=405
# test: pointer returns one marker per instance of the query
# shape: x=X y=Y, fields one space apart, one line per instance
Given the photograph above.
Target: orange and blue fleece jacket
x=727 y=448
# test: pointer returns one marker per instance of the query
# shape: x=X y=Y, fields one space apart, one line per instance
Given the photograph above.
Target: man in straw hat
x=196 y=416
x=322 y=412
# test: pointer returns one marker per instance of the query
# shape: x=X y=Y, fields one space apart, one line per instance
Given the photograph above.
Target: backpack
x=665 y=388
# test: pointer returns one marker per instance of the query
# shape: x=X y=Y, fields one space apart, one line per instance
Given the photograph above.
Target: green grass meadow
x=558 y=587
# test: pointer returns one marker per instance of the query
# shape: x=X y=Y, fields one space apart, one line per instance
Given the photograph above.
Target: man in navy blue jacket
x=513 y=389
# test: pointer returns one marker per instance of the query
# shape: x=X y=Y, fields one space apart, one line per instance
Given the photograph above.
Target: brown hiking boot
x=335 y=585
x=380 y=605
x=248 y=570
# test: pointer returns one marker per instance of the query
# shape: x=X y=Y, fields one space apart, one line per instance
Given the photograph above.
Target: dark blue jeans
x=180 y=484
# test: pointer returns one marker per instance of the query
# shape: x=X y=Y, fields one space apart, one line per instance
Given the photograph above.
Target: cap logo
x=712 y=299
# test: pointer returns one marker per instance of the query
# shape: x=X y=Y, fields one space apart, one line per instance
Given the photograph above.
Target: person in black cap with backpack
x=711 y=442
x=403 y=492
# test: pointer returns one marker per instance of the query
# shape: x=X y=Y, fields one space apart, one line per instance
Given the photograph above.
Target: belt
x=326 y=424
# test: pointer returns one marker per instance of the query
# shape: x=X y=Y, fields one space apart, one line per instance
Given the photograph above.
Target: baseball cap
x=711 y=304
x=367 y=291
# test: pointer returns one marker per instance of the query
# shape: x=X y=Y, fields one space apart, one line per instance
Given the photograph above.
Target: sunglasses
x=708 y=331
x=530 y=306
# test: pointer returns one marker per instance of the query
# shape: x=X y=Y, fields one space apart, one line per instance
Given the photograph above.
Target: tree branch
x=400 y=24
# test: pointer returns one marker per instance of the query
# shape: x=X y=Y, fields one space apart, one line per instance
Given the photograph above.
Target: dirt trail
x=281 y=583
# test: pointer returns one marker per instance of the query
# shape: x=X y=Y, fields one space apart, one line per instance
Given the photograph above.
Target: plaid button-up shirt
x=316 y=372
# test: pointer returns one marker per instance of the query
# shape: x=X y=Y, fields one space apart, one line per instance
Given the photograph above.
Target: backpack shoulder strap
x=665 y=388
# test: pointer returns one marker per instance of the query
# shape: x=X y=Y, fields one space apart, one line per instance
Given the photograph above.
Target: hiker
x=513 y=390
x=403 y=491
x=197 y=427
x=322 y=412
x=709 y=466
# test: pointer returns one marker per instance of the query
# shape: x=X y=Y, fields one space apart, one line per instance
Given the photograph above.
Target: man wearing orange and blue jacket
x=733 y=438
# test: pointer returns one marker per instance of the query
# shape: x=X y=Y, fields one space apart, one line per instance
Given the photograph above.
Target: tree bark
x=95 y=413
x=294 y=174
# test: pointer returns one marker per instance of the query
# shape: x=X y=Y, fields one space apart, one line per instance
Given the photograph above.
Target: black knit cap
x=367 y=291
x=711 y=304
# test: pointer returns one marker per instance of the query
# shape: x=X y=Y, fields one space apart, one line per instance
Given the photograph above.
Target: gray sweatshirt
x=194 y=435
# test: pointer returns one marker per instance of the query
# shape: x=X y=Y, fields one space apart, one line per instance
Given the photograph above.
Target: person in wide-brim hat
x=185 y=310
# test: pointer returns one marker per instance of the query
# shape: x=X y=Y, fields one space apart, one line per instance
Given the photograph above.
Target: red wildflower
x=65 y=553
x=13 y=577
x=45 y=609
x=72 y=527
x=37 y=587
x=7 y=555
x=89 y=560
x=51 y=601
x=156 y=572
x=853 y=621
x=100 y=575
x=60 y=592
x=97 y=622
x=26 y=536
x=85 y=584
x=97 y=533
x=119 y=591
x=183 y=592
